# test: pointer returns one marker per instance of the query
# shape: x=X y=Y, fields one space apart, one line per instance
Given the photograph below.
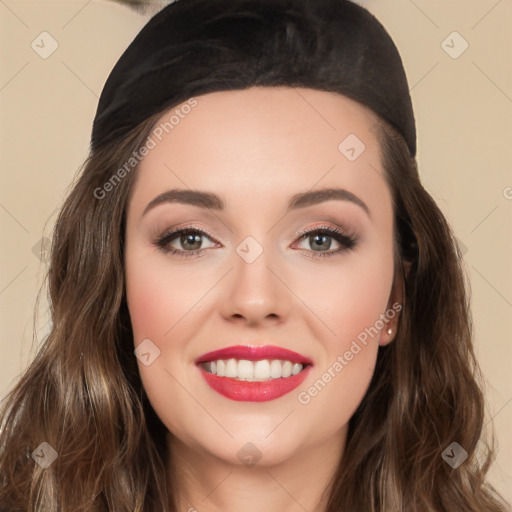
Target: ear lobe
x=395 y=304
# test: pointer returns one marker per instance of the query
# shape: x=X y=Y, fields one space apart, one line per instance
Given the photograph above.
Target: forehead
x=264 y=142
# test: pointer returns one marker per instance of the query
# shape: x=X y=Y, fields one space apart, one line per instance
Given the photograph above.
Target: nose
x=256 y=293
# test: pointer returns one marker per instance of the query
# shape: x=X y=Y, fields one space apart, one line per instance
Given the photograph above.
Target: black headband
x=193 y=47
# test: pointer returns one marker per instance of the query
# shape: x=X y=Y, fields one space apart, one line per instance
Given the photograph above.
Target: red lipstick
x=256 y=391
x=253 y=354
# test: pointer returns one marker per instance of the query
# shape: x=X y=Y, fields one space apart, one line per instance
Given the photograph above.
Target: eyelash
x=347 y=241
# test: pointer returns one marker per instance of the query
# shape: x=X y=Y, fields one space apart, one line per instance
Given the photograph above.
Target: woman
x=256 y=304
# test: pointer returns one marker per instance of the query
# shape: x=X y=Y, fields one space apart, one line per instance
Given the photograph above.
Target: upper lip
x=252 y=353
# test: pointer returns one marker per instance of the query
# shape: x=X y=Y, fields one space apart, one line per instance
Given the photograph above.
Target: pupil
x=322 y=239
x=192 y=239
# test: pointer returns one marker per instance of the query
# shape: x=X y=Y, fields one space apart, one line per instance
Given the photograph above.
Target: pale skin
x=255 y=149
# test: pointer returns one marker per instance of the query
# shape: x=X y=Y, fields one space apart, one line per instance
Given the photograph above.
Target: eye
x=188 y=242
x=185 y=242
x=320 y=241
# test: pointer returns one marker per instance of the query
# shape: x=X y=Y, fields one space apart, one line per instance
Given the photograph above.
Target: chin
x=260 y=452
x=249 y=446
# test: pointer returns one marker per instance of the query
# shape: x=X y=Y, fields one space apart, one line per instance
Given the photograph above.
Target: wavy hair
x=82 y=393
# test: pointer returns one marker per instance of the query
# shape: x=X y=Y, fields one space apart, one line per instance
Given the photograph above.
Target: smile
x=253 y=371
x=254 y=374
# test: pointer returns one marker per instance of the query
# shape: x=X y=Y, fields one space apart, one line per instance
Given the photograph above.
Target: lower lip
x=244 y=391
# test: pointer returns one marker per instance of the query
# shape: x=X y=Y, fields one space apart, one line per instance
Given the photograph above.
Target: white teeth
x=221 y=368
x=262 y=369
x=276 y=369
x=296 y=368
x=287 y=368
x=231 y=368
x=243 y=369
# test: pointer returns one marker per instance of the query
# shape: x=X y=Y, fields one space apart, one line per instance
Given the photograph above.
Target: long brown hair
x=83 y=395
x=426 y=392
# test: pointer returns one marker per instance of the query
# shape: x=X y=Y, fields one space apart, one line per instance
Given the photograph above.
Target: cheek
x=157 y=301
x=363 y=299
x=165 y=306
x=350 y=297
x=146 y=302
x=157 y=298
x=352 y=304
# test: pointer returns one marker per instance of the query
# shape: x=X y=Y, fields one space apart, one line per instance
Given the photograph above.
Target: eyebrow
x=213 y=201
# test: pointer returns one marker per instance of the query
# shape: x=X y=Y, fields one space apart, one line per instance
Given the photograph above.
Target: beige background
x=463 y=110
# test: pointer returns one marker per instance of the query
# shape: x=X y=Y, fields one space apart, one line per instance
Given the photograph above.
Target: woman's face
x=246 y=274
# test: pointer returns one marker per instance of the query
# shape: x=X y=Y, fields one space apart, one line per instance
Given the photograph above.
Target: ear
x=395 y=305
